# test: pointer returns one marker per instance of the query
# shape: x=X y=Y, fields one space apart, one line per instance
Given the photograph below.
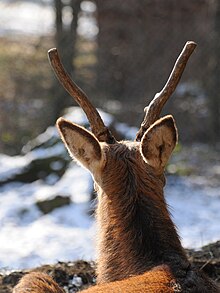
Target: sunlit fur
x=135 y=229
x=136 y=236
x=156 y=280
x=37 y=282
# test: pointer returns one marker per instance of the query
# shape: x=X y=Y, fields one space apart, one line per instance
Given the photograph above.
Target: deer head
x=156 y=137
x=139 y=248
x=136 y=232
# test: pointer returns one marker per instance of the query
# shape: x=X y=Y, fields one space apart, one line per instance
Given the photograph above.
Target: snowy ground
x=28 y=238
x=195 y=211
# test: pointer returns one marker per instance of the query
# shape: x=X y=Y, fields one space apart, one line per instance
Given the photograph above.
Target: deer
x=139 y=249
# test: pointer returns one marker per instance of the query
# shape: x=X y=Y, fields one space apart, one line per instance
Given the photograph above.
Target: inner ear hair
x=158 y=142
x=81 y=144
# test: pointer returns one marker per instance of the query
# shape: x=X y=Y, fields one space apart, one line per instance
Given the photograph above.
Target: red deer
x=139 y=249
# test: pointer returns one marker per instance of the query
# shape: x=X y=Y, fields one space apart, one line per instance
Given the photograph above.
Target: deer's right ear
x=81 y=144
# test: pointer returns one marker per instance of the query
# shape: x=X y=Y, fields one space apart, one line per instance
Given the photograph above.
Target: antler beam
x=152 y=112
x=98 y=127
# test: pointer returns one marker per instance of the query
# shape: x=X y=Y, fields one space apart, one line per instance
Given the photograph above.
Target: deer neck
x=135 y=229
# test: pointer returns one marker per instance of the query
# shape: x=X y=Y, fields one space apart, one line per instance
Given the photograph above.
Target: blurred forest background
x=120 y=52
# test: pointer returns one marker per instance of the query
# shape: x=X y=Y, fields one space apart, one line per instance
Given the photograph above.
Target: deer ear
x=158 y=142
x=81 y=144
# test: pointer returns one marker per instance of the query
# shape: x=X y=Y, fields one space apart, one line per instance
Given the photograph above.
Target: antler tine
x=152 y=112
x=98 y=127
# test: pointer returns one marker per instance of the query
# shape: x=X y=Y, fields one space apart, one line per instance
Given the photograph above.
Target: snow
x=195 y=212
x=37 y=18
x=10 y=166
x=28 y=238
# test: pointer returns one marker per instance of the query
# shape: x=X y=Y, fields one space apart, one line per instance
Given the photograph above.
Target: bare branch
x=152 y=112
x=98 y=128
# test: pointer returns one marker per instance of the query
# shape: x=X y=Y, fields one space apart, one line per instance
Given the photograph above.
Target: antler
x=152 y=112
x=98 y=127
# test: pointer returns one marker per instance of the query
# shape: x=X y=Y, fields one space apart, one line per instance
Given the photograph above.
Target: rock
x=48 y=205
x=12 y=279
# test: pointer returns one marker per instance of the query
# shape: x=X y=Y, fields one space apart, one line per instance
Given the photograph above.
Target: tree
x=121 y=47
x=213 y=77
x=138 y=43
x=65 y=39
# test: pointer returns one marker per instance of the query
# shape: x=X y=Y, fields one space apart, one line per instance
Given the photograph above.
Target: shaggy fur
x=157 y=280
x=138 y=245
x=135 y=229
x=37 y=282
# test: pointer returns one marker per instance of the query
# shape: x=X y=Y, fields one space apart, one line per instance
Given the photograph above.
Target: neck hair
x=135 y=228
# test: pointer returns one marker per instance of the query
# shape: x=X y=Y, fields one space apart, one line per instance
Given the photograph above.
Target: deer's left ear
x=158 y=142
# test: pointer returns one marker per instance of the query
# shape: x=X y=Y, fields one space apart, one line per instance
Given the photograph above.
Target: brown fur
x=138 y=245
x=158 y=280
x=37 y=282
x=135 y=229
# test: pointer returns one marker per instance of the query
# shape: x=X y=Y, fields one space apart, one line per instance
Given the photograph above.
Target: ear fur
x=81 y=144
x=158 y=142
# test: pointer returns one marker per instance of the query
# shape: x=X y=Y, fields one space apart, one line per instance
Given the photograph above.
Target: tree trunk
x=65 y=40
x=121 y=47
x=213 y=77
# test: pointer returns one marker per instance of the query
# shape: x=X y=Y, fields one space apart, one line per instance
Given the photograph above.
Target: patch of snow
x=195 y=212
x=28 y=238
x=76 y=115
x=10 y=166
x=41 y=153
x=77 y=281
x=125 y=130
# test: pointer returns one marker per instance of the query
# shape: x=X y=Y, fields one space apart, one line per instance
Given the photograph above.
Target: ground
x=79 y=275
